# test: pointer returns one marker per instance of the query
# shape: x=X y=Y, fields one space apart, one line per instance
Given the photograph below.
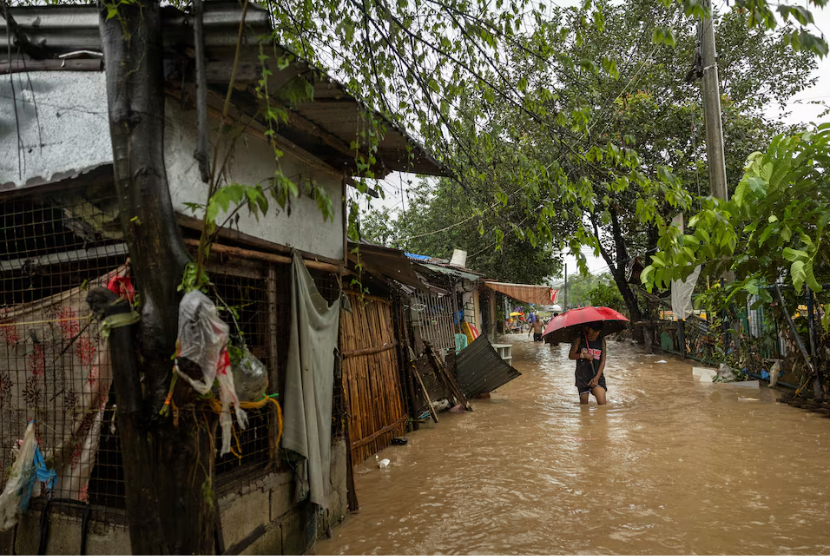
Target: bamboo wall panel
x=374 y=405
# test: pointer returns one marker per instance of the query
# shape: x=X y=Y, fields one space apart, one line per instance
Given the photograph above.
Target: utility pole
x=565 y=306
x=712 y=108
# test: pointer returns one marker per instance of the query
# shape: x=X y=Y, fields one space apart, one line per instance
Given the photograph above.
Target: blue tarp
x=417 y=257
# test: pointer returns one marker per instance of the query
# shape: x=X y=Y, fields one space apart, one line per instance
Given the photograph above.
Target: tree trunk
x=617 y=268
x=168 y=464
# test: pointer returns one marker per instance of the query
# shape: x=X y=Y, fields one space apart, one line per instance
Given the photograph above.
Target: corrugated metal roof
x=479 y=369
x=335 y=116
x=467 y=275
x=387 y=262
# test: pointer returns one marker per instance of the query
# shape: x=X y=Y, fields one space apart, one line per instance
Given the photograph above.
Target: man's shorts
x=537 y=337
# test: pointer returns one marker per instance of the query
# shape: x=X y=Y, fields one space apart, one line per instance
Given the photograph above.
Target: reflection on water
x=669 y=466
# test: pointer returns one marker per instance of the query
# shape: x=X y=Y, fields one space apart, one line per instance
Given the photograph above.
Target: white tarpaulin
x=681 y=295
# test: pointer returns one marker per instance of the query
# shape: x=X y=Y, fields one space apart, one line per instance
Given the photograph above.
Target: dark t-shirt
x=595 y=349
x=587 y=369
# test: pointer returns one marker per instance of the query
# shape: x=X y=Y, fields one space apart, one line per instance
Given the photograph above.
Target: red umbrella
x=568 y=326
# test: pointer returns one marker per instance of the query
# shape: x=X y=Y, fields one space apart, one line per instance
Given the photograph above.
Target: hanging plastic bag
x=15 y=497
x=250 y=377
x=203 y=339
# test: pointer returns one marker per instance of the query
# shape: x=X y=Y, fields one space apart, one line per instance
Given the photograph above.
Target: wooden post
x=449 y=381
x=432 y=412
x=403 y=360
x=273 y=368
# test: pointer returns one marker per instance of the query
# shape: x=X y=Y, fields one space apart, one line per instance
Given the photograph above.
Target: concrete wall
x=259 y=518
x=64 y=129
x=252 y=162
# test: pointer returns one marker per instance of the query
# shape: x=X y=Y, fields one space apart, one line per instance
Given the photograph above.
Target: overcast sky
x=799 y=110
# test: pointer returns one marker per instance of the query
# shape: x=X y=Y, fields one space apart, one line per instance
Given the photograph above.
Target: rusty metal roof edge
x=75 y=27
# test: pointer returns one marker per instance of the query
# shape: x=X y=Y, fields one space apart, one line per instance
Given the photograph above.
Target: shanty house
x=60 y=234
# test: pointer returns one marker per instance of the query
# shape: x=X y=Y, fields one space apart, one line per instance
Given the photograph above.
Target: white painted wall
x=64 y=130
x=253 y=162
x=62 y=118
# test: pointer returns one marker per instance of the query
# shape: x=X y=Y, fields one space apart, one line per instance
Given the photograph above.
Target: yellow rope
x=216 y=407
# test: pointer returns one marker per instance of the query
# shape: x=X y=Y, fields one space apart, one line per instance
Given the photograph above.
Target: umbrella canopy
x=567 y=326
x=515 y=314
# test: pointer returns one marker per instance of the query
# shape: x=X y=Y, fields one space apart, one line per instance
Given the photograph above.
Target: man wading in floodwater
x=589 y=353
x=536 y=328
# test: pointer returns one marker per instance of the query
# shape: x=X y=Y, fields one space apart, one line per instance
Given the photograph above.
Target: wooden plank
x=434 y=415
x=115 y=250
x=449 y=381
x=247 y=541
x=351 y=493
x=369 y=350
x=265 y=257
x=25 y=65
x=366 y=296
x=252 y=241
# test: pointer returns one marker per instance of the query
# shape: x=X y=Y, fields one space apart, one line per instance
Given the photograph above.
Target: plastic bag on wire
x=203 y=335
x=203 y=339
x=15 y=497
x=250 y=377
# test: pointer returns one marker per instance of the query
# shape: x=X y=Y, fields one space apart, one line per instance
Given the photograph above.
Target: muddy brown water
x=669 y=466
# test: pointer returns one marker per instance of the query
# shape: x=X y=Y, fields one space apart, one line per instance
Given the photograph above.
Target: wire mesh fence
x=754 y=336
x=245 y=290
x=54 y=367
x=54 y=364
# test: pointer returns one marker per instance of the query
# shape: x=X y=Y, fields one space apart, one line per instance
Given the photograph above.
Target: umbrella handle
x=587 y=345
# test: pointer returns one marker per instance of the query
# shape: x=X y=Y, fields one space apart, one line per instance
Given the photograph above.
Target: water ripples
x=669 y=466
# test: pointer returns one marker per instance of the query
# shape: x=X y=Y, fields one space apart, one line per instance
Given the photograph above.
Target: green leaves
x=798 y=274
x=794 y=255
x=664 y=35
x=237 y=194
x=610 y=67
x=798 y=13
x=193 y=279
x=781 y=208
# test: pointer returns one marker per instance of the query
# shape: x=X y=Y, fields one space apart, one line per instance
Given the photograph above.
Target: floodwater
x=669 y=466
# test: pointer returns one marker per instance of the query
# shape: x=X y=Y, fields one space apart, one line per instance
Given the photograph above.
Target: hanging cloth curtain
x=309 y=383
x=538 y=295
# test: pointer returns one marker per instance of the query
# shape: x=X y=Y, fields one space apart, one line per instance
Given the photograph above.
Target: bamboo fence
x=371 y=384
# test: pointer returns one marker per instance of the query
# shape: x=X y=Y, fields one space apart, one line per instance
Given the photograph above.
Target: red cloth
x=122 y=286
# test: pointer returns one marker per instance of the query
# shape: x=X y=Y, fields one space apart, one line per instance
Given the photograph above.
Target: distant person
x=536 y=327
x=589 y=353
